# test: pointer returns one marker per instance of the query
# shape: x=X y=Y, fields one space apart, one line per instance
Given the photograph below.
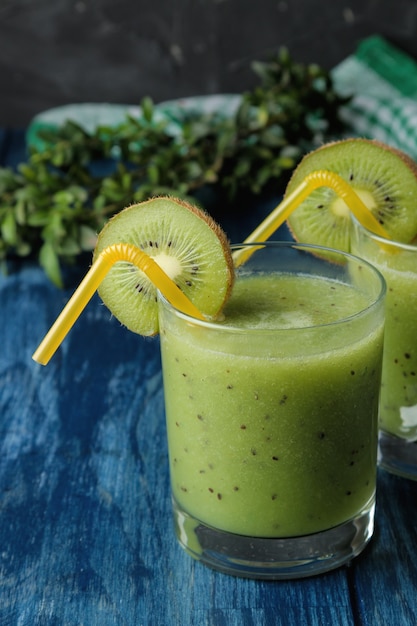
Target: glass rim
x=219 y=327
x=407 y=247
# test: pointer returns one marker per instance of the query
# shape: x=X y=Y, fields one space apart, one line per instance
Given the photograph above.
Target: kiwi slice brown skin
x=384 y=177
x=185 y=241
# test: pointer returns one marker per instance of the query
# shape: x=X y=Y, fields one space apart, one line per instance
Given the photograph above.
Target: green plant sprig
x=53 y=205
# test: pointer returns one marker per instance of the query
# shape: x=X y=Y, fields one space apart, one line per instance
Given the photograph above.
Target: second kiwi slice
x=185 y=242
x=384 y=178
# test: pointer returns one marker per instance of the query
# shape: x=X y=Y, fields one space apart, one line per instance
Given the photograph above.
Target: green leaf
x=193 y=170
x=20 y=213
x=49 y=261
x=38 y=218
x=153 y=174
x=147 y=109
x=69 y=247
x=286 y=162
x=88 y=238
x=28 y=172
x=9 y=229
x=242 y=168
x=63 y=197
x=23 y=249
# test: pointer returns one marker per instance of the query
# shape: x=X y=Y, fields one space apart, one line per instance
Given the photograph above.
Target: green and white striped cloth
x=382 y=81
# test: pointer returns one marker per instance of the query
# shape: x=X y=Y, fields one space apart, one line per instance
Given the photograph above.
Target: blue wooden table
x=85 y=515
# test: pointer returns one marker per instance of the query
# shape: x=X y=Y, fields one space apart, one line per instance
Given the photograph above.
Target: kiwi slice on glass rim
x=184 y=241
x=383 y=177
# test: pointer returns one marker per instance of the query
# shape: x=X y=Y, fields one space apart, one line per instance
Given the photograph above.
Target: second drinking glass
x=398 y=408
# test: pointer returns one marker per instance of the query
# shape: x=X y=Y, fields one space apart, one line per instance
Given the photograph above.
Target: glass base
x=274 y=558
x=397 y=455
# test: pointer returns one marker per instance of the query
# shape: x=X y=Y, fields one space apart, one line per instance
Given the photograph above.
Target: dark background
x=54 y=52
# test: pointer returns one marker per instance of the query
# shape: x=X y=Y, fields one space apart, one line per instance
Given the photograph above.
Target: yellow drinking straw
x=127 y=252
x=85 y=291
x=314 y=180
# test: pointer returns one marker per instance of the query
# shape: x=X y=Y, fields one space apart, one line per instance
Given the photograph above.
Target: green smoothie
x=398 y=408
x=272 y=413
x=398 y=413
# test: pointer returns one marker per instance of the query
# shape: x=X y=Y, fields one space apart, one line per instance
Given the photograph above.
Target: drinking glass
x=398 y=408
x=272 y=414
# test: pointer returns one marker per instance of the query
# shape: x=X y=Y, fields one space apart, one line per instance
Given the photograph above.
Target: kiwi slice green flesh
x=185 y=241
x=384 y=178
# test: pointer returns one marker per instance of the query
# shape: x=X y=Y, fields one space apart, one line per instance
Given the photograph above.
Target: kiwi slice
x=185 y=242
x=383 y=177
